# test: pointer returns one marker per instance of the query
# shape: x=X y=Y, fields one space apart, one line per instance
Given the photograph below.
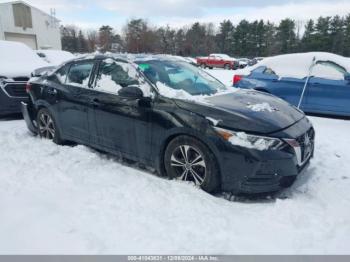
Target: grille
x=21 y=78
x=16 y=90
x=306 y=142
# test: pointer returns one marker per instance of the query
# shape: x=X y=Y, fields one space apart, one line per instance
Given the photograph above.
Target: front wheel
x=188 y=159
x=227 y=67
x=47 y=127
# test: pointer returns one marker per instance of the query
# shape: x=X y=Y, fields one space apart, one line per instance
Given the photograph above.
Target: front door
x=122 y=124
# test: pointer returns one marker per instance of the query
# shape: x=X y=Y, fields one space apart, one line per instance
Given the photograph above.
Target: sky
x=91 y=14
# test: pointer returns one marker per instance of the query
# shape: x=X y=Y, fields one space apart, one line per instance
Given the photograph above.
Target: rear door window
x=79 y=74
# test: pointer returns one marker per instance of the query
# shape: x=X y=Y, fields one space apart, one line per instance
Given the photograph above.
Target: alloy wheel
x=46 y=126
x=188 y=164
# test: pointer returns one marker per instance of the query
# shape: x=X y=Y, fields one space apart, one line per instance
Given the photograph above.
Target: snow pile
x=181 y=94
x=297 y=65
x=17 y=59
x=105 y=83
x=56 y=57
x=224 y=76
x=262 y=107
x=167 y=91
x=241 y=139
x=131 y=70
x=215 y=122
x=74 y=200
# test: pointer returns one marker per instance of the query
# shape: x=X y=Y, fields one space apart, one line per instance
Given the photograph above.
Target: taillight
x=28 y=87
x=237 y=78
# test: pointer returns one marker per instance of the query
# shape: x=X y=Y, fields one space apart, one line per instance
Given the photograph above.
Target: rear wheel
x=203 y=66
x=227 y=67
x=188 y=159
x=47 y=127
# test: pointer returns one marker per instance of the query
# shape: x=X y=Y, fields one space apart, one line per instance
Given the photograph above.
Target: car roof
x=127 y=58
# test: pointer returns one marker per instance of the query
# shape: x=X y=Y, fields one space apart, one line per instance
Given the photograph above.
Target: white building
x=24 y=23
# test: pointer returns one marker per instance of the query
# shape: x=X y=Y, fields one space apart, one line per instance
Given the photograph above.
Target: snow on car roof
x=17 y=59
x=297 y=65
x=56 y=57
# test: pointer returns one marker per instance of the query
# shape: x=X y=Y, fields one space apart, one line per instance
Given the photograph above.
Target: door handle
x=95 y=102
x=52 y=91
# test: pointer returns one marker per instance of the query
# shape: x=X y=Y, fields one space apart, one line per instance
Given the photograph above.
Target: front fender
x=209 y=138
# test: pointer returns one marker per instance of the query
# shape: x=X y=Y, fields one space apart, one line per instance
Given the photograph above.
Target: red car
x=218 y=60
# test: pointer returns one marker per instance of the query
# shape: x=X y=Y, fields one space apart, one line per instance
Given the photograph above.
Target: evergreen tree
x=224 y=39
x=286 y=37
x=69 y=38
x=241 y=36
x=269 y=39
x=347 y=36
x=179 y=42
x=82 y=43
x=308 y=40
x=105 y=38
x=196 y=40
x=323 y=40
x=337 y=35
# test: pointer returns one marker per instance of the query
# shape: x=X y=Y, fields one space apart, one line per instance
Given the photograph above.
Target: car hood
x=246 y=110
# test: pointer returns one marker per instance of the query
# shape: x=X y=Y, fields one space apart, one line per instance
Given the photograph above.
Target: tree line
x=246 y=39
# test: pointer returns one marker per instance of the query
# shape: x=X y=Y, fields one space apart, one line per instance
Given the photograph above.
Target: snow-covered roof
x=56 y=57
x=17 y=59
x=298 y=65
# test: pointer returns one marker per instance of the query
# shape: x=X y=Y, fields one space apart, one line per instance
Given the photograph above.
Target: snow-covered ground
x=225 y=76
x=68 y=200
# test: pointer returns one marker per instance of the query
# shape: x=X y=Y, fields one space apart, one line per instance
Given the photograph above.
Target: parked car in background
x=255 y=60
x=327 y=90
x=55 y=57
x=17 y=61
x=243 y=62
x=147 y=111
x=218 y=61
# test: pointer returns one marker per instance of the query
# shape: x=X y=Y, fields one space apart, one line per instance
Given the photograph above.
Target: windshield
x=181 y=76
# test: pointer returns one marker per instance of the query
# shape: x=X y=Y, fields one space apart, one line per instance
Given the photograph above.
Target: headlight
x=2 y=80
x=250 y=141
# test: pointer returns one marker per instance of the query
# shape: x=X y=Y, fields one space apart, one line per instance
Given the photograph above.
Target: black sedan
x=176 y=118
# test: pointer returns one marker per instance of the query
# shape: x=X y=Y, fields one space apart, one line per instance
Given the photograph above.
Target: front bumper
x=252 y=171
x=11 y=96
x=27 y=112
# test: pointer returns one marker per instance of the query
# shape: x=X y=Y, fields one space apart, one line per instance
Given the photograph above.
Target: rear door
x=75 y=101
x=328 y=96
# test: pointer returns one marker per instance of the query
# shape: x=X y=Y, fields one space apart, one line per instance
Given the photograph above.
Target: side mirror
x=347 y=77
x=131 y=92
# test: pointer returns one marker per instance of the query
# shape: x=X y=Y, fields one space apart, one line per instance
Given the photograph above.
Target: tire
x=203 y=66
x=188 y=159
x=227 y=67
x=47 y=127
